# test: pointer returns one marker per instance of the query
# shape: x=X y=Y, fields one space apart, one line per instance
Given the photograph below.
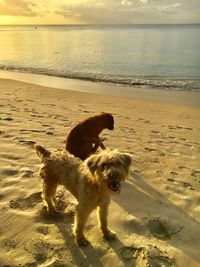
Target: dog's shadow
x=144 y=202
x=83 y=256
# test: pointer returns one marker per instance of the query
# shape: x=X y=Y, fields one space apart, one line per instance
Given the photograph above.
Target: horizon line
x=99 y=24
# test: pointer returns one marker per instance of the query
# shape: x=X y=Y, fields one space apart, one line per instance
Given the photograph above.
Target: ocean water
x=165 y=56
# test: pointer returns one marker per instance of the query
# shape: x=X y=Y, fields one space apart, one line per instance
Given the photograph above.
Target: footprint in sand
x=172 y=137
x=11 y=157
x=158 y=229
x=44 y=230
x=173 y=173
x=182 y=139
x=137 y=171
x=15 y=109
x=26 y=203
x=155 y=132
x=40 y=257
x=26 y=172
x=162 y=228
x=195 y=173
x=129 y=253
x=7 y=119
x=50 y=133
x=19 y=100
x=33 y=131
x=27 y=142
x=5 y=135
x=39 y=249
x=177 y=127
x=185 y=184
x=128 y=130
x=183 y=167
x=2 y=196
x=46 y=125
x=149 y=256
x=37 y=116
x=143 y=120
x=150 y=149
x=8 y=243
x=155 y=161
x=188 y=145
x=30 y=100
x=157 y=257
x=9 y=172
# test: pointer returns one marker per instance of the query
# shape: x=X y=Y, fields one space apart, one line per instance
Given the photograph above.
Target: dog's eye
x=104 y=166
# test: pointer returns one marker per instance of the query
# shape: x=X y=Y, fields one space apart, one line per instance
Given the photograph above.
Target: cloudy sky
x=99 y=11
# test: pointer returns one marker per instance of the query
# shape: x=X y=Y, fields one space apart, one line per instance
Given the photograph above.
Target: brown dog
x=84 y=140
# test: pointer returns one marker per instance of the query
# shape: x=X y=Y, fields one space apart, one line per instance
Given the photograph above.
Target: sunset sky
x=99 y=11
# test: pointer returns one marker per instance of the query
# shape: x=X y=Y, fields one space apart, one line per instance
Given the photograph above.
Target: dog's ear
x=92 y=163
x=42 y=152
x=127 y=160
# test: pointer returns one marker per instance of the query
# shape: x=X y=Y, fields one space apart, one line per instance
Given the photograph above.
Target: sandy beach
x=157 y=214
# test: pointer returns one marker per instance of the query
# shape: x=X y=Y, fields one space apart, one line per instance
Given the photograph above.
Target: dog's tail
x=42 y=152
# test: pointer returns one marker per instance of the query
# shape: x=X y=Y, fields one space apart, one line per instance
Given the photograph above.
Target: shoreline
x=190 y=98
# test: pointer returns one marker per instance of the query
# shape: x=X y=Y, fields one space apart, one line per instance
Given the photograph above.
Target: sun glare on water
x=6 y=20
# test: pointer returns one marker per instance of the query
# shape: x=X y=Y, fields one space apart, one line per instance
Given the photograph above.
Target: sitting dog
x=91 y=182
x=84 y=140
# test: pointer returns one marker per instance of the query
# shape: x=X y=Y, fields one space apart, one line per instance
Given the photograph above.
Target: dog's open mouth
x=114 y=186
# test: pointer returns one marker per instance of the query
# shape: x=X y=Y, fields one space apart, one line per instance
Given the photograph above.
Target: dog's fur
x=91 y=182
x=84 y=140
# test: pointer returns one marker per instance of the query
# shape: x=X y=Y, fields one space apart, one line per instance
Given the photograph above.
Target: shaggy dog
x=84 y=140
x=91 y=182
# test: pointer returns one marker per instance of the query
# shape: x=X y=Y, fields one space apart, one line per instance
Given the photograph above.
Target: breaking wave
x=132 y=81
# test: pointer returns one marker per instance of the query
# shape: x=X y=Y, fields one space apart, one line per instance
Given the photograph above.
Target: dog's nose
x=113 y=175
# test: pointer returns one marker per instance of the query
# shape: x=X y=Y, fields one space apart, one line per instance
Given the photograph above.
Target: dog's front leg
x=95 y=147
x=102 y=211
x=100 y=143
x=97 y=141
x=79 y=225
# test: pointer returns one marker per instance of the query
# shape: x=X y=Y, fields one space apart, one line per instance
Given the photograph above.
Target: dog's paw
x=54 y=212
x=81 y=241
x=110 y=235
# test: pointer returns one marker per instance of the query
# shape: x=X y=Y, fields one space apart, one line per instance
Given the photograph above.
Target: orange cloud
x=99 y=11
x=17 y=8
